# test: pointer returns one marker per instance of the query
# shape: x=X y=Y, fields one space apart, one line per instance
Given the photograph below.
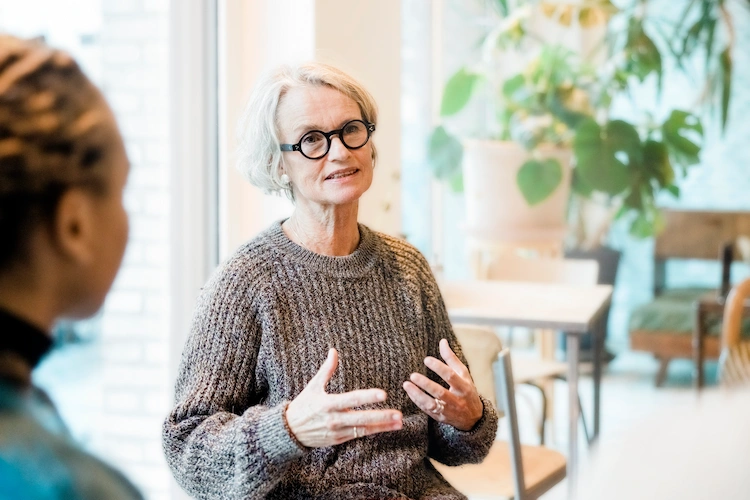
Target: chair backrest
x=733 y=312
x=608 y=259
x=693 y=234
x=480 y=346
x=543 y=270
x=508 y=406
x=482 y=350
x=734 y=362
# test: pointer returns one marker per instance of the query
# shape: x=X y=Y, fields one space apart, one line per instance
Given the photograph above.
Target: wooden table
x=572 y=309
x=710 y=303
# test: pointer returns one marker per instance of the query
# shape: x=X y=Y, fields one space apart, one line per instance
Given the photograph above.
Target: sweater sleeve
x=448 y=444
x=219 y=440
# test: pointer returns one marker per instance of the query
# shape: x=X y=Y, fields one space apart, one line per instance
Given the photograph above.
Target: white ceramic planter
x=495 y=208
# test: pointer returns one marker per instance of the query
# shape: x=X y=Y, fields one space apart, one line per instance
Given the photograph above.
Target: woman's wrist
x=289 y=428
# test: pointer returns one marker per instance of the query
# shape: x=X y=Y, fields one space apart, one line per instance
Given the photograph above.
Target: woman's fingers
x=356 y=398
x=369 y=418
x=451 y=359
x=424 y=401
x=378 y=428
x=432 y=388
x=444 y=371
x=456 y=381
x=326 y=371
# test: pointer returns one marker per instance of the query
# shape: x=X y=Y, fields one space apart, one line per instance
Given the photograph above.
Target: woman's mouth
x=340 y=174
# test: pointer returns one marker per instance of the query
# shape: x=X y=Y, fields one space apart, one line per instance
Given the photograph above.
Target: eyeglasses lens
x=315 y=145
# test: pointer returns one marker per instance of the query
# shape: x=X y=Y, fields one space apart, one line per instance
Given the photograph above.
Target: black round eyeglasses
x=315 y=144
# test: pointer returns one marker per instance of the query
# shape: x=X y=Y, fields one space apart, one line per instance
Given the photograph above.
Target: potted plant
x=558 y=102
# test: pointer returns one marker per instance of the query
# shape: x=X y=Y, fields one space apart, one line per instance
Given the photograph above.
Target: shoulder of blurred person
x=691 y=451
x=38 y=460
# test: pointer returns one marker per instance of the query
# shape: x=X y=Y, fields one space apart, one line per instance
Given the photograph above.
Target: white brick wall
x=136 y=392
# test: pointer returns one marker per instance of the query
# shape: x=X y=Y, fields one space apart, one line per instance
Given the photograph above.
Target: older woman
x=321 y=362
x=62 y=173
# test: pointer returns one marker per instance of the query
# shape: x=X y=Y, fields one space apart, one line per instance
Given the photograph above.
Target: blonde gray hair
x=260 y=156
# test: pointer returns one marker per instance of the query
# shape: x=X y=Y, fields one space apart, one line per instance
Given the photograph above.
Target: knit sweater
x=263 y=326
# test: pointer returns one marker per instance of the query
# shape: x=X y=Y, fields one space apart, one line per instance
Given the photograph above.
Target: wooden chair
x=540 y=372
x=734 y=361
x=664 y=326
x=510 y=470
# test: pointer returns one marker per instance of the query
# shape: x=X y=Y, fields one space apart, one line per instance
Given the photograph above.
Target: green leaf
x=444 y=153
x=458 y=92
x=656 y=163
x=674 y=190
x=501 y=6
x=513 y=85
x=456 y=182
x=710 y=37
x=677 y=131
x=579 y=186
x=692 y=37
x=634 y=200
x=647 y=223
x=641 y=227
x=725 y=60
x=643 y=57
x=538 y=179
x=604 y=154
x=560 y=106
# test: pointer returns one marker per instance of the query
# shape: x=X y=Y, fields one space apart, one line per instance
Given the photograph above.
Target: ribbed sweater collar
x=354 y=265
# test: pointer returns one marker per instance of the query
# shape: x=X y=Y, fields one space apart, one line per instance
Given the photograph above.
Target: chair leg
x=583 y=421
x=661 y=375
x=580 y=412
x=543 y=422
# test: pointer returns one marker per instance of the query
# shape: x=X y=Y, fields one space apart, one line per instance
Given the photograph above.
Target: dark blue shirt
x=38 y=459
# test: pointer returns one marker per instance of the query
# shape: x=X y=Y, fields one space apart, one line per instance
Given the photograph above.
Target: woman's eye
x=311 y=139
x=351 y=129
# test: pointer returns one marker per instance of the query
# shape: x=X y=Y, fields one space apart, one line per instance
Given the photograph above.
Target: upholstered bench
x=665 y=326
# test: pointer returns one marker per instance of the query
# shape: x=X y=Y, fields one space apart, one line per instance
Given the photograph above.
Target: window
x=108 y=375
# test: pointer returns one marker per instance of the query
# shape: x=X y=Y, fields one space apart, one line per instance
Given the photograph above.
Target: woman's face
x=341 y=176
x=110 y=227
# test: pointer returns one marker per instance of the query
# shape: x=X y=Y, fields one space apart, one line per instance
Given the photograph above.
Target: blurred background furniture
x=609 y=262
x=510 y=470
x=734 y=363
x=572 y=309
x=665 y=325
x=708 y=308
x=541 y=372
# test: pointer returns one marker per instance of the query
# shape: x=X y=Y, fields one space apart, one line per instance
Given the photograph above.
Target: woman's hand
x=319 y=419
x=459 y=405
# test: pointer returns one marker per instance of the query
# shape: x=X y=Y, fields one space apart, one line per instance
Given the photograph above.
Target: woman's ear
x=73 y=226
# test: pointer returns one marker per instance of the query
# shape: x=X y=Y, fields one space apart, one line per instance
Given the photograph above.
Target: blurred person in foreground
x=62 y=172
x=321 y=361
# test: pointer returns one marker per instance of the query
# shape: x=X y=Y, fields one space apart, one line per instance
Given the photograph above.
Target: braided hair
x=53 y=136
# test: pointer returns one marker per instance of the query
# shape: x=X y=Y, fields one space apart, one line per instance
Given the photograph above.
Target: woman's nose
x=338 y=150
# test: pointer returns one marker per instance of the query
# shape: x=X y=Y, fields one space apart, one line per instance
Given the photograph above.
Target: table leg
x=597 y=332
x=698 y=345
x=573 y=344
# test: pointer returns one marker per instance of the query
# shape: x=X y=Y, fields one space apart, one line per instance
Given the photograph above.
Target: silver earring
x=285 y=179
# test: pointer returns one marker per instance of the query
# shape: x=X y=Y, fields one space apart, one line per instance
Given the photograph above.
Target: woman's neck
x=333 y=233
x=21 y=298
